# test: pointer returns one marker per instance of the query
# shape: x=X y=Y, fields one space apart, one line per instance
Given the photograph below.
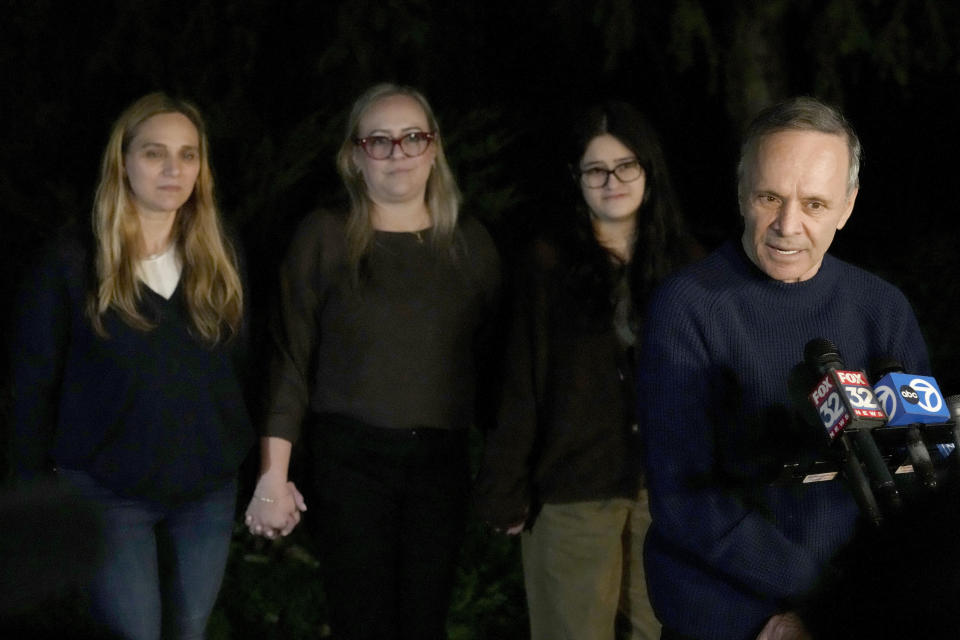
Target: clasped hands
x=274 y=508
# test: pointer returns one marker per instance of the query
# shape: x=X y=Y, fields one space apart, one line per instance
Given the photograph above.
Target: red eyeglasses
x=381 y=147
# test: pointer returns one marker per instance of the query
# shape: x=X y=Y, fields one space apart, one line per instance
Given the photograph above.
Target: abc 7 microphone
x=910 y=401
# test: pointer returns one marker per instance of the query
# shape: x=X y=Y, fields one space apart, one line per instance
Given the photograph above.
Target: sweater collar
x=821 y=282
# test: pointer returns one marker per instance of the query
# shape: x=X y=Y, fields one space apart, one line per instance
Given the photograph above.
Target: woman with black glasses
x=562 y=466
x=375 y=363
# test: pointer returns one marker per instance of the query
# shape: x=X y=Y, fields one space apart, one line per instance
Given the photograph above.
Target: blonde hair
x=442 y=196
x=210 y=281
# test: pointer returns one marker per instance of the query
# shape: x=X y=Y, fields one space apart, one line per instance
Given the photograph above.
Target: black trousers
x=390 y=518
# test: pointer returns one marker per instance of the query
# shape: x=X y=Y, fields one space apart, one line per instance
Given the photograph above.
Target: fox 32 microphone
x=846 y=405
x=827 y=437
x=915 y=406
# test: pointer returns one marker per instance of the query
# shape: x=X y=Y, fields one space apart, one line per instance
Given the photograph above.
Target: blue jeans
x=162 y=565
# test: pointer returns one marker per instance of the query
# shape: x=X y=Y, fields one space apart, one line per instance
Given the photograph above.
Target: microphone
x=910 y=400
x=845 y=401
x=953 y=402
x=801 y=379
x=907 y=398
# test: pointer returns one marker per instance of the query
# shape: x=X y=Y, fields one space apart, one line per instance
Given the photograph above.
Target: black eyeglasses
x=598 y=177
x=381 y=147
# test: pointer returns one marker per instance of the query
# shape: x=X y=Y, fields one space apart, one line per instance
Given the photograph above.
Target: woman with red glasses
x=375 y=365
x=562 y=466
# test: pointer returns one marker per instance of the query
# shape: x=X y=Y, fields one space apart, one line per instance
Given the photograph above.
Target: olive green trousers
x=583 y=568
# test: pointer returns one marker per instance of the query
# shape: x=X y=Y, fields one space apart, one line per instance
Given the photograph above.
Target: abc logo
x=908 y=394
x=887 y=400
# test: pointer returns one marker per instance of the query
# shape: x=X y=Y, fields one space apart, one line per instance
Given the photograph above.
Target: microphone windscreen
x=820 y=352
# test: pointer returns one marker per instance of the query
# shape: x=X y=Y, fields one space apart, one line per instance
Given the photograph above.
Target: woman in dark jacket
x=563 y=463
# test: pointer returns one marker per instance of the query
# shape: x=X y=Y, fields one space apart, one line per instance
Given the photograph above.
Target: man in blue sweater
x=729 y=552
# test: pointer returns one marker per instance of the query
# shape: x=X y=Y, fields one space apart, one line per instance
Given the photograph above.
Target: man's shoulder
x=862 y=284
x=718 y=274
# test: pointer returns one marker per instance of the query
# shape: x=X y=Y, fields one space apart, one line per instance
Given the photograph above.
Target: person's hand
x=784 y=626
x=515 y=529
x=274 y=508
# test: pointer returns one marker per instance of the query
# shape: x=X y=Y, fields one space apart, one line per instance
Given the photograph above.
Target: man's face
x=793 y=200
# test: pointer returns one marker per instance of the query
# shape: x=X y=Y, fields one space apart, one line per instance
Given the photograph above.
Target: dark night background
x=274 y=80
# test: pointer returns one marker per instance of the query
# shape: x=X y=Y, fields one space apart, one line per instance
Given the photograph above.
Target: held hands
x=274 y=508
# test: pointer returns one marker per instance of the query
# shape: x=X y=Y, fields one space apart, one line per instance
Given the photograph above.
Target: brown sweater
x=397 y=350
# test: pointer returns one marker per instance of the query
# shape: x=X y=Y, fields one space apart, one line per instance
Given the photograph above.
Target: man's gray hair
x=798 y=114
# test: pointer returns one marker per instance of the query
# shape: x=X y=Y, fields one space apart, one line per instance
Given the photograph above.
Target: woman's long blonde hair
x=210 y=281
x=442 y=196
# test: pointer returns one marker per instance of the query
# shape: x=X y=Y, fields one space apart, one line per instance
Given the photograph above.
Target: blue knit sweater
x=727 y=549
x=157 y=415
